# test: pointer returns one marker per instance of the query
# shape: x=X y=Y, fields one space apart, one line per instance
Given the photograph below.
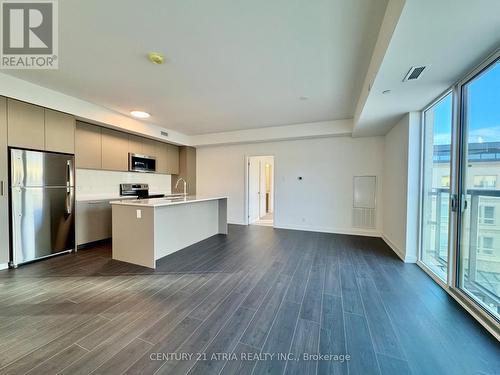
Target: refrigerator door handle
x=68 y=173
x=69 y=201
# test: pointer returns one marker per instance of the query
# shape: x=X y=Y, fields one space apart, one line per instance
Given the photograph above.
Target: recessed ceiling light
x=140 y=114
x=386 y=92
x=156 y=58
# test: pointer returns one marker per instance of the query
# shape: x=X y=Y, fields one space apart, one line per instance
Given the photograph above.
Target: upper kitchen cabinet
x=135 y=144
x=167 y=158
x=172 y=159
x=161 y=158
x=59 y=132
x=26 y=125
x=187 y=170
x=149 y=147
x=88 y=146
x=114 y=150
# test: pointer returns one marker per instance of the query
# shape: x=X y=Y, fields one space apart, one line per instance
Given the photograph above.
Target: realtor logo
x=28 y=34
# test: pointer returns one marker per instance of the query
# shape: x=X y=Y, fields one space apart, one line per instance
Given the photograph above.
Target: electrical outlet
x=138 y=213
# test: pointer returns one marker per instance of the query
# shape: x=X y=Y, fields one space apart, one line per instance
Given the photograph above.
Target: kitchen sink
x=174 y=196
x=174 y=199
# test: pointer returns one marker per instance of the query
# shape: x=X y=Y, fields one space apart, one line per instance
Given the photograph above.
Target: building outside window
x=445 y=181
x=486 y=245
x=485 y=182
x=487 y=215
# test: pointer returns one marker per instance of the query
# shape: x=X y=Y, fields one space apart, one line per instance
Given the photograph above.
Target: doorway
x=260 y=190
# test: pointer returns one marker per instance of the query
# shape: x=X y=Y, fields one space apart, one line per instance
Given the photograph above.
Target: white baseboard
x=352 y=231
x=410 y=259
x=236 y=223
x=393 y=247
x=400 y=253
x=4 y=266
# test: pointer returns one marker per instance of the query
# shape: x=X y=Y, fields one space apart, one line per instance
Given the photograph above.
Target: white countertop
x=159 y=202
x=106 y=197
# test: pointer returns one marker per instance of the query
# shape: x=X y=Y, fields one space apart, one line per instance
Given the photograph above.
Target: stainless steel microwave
x=141 y=163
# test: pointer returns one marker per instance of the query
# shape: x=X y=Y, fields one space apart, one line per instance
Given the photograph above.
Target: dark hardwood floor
x=231 y=304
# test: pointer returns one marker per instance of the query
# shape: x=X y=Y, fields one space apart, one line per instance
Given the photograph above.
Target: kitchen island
x=145 y=230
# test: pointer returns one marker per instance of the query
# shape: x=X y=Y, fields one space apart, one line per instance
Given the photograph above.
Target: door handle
x=69 y=201
x=68 y=173
x=1 y=188
x=454 y=202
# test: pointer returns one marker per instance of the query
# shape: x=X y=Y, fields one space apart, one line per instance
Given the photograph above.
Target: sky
x=483 y=110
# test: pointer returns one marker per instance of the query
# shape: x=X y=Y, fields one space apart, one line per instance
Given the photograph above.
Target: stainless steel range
x=139 y=190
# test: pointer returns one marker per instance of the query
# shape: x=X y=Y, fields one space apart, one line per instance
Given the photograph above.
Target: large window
x=479 y=251
x=462 y=204
x=436 y=186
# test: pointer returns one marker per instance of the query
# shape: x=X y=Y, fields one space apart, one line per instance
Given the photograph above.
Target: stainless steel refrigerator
x=42 y=202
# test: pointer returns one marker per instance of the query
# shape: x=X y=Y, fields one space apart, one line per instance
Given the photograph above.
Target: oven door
x=141 y=163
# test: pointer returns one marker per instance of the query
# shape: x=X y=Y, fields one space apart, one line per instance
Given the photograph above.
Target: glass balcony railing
x=479 y=274
x=435 y=246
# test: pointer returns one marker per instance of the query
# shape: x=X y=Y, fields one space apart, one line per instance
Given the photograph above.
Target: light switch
x=138 y=213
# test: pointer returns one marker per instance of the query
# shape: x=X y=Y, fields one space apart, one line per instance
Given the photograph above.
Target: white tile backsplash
x=91 y=182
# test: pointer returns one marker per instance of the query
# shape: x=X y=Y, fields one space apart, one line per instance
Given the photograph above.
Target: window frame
x=461 y=159
x=440 y=98
x=451 y=286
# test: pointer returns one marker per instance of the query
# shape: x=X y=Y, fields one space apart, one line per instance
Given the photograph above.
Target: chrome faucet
x=185 y=184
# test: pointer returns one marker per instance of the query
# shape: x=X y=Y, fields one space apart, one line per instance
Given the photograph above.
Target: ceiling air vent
x=414 y=73
x=165 y=134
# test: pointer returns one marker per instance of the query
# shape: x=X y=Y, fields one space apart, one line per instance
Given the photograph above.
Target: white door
x=262 y=196
x=253 y=190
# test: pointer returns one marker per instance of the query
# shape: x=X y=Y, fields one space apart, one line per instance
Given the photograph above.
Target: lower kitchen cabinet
x=93 y=221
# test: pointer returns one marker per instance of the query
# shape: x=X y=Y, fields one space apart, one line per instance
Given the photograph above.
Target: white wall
x=321 y=201
x=413 y=190
x=395 y=188
x=97 y=183
x=401 y=187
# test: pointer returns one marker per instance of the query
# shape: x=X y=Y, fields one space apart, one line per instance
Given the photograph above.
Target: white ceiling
x=449 y=36
x=231 y=64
